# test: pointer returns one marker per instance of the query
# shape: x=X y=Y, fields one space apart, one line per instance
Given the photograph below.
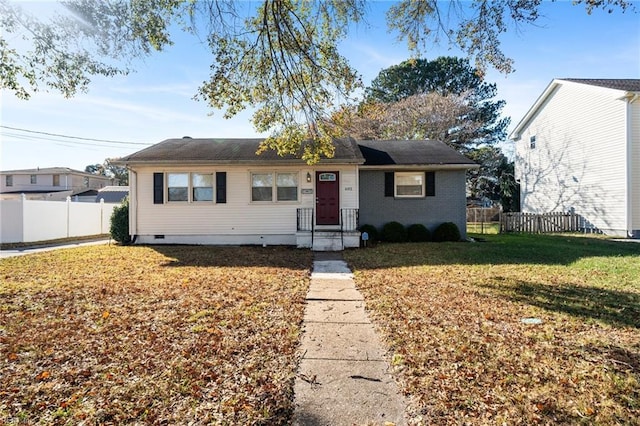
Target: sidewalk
x=4 y=253
x=343 y=377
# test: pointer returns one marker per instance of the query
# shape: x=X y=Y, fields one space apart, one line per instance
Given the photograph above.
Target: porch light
x=308 y=177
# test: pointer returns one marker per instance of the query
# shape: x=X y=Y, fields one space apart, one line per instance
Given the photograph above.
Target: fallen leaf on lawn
x=43 y=376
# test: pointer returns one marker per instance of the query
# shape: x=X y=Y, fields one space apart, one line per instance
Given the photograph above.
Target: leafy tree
x=281 y=60
x=476 y=119
x=495 y=179
x=96 y=169
x=118 y=172
x=109 y=169
x=420 y=116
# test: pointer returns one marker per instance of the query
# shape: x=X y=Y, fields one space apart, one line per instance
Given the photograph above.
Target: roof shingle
x=230 y=151
x=410 y=152
x=628 y=84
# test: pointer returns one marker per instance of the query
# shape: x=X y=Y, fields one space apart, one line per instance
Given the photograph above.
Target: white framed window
x=274 y=187
x=409 y=184
x=261 y=187
x=177 y=187
x=287 y=186
x=202 y=186
x=34 y=179
x=532 y=142
x=190 y=187
x=8 y=180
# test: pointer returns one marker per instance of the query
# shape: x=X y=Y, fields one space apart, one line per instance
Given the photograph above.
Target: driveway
x=38 y=249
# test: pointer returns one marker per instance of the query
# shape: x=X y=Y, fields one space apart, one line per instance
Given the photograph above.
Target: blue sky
x=155 y=103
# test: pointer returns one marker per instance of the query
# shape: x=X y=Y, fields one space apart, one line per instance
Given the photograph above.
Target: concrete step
x=327 y=241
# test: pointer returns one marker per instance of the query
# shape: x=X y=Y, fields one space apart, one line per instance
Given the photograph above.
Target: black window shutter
x=158 y=188
x=221 y=187
x=430 y=181
x=388 y=184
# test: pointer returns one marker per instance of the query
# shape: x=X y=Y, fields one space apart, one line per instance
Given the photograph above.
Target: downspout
x=133 y=221
x=630 y=101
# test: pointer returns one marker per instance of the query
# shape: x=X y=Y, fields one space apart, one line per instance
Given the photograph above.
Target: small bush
x=394 y=232
x=119 y=228
x=418 y=233
x=447 y=231
x=371 y=230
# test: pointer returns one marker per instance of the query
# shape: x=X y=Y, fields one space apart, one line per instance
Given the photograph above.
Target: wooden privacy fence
x=541 y=223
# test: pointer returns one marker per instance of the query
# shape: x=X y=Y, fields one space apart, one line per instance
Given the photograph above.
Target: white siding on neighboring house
x=51 y=179
x=580 y=157
x=239 y=220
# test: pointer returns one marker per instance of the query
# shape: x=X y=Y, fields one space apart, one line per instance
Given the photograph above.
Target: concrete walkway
x=4 y=253
x=343 y=377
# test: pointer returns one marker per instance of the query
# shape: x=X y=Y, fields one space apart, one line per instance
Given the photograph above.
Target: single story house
x=218 y=191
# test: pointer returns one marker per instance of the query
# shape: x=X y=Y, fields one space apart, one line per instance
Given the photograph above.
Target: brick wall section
x=448 y=205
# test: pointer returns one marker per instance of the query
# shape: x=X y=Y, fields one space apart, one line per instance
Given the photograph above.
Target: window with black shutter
x=158 y=188
x=221 y=187
x=430 y=181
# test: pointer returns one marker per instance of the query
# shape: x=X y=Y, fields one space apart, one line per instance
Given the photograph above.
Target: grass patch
x=483 y=228
x=451 y=315
x=140 y=335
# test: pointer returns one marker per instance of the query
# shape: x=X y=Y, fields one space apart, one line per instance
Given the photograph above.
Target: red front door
x=327 y=198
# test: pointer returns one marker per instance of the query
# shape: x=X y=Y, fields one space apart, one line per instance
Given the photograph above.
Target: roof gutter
x=420 y=167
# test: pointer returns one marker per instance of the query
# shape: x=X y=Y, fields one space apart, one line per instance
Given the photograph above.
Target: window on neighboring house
x=34 y=179
x=202 y=187
x=56 y=180
x=287 y=186
x=178 y=187
x=409 y=184
x=8 y=180
x=532 y=142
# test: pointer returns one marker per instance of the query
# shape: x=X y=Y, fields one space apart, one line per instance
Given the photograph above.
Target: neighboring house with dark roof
x=578 y=149
x=51 y=183
x=112 y=194
x=218 y=191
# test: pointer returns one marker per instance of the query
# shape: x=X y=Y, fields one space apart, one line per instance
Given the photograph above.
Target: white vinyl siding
x=239 y=216
x=580 y=155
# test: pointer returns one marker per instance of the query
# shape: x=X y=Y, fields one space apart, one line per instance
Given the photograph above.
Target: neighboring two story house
x=578 y=149
x=52 y=183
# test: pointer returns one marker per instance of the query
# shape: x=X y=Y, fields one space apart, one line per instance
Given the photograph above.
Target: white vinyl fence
x=25 y=221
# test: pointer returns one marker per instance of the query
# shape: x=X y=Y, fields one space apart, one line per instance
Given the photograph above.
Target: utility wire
x=75 y=137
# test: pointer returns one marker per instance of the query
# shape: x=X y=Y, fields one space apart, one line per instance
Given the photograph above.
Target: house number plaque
x=327 y=177
x=307 y=191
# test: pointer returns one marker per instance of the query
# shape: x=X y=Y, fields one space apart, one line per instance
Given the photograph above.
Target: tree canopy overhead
x=445 y=99
x=280 y=58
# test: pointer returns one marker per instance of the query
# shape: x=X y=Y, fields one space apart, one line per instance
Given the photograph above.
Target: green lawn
x=451 y=314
